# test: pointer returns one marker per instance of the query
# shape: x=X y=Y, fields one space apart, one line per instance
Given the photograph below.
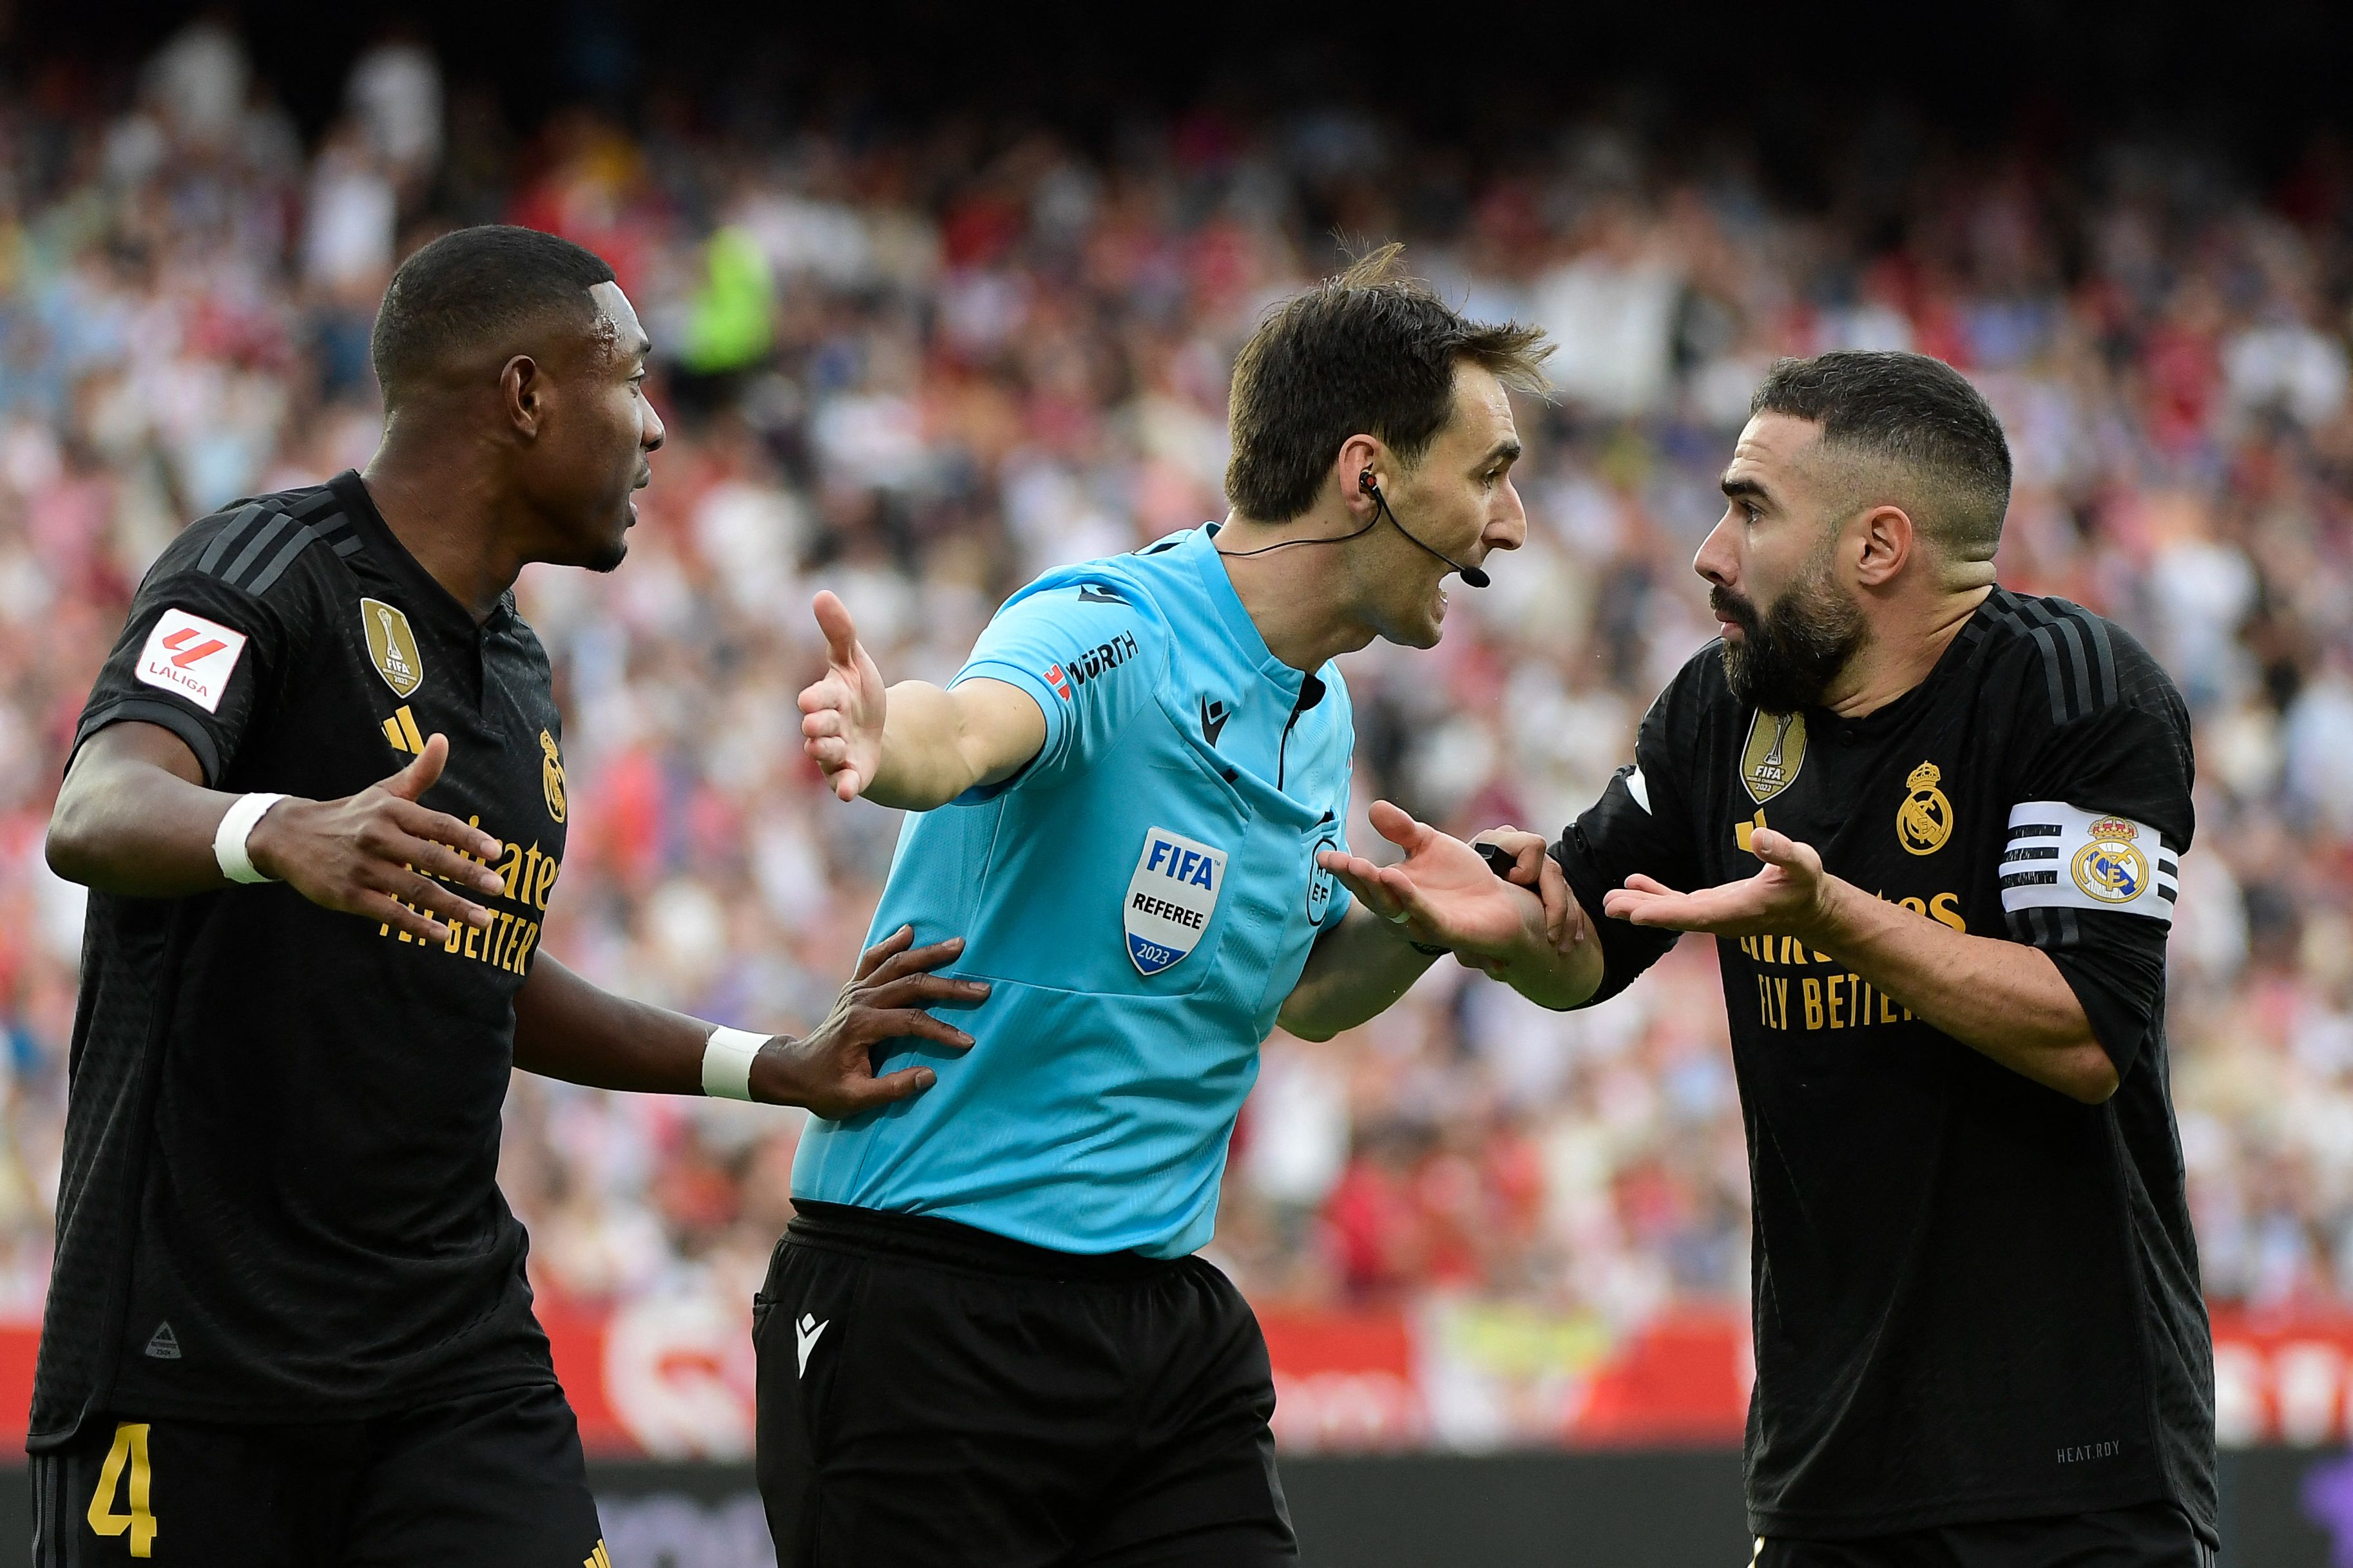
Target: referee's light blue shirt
x=1143 y=896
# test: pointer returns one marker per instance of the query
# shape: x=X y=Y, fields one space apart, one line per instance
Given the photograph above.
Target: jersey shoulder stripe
x=304 y=536
x=251 y=545
x=2085 y=664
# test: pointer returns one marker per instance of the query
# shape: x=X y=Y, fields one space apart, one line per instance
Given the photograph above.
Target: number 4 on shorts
x=131 y=1445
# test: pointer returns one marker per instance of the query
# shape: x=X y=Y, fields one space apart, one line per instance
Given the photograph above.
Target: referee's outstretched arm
x=913 y=745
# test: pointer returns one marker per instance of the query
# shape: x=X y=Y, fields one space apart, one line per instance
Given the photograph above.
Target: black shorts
x=2151 y=1535
x=490 y=1480
x=930 y=1394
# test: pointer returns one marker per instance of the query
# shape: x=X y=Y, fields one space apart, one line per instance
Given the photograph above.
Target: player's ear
x=1886 y=539
x=522 y=392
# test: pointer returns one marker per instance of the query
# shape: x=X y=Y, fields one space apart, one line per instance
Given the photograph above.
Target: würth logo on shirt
x=1098 y=662
x=192 y=657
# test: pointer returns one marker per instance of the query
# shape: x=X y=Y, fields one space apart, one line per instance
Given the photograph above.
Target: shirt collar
x=1201 y=545
x=385 y=547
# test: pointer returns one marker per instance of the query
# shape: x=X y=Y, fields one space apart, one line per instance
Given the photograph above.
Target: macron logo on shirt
x=191 y=656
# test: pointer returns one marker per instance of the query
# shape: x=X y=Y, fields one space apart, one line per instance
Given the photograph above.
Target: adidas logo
x=163 y=1344
x=804 y=1333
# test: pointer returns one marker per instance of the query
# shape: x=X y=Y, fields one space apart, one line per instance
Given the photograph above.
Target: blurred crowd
x=919 y=366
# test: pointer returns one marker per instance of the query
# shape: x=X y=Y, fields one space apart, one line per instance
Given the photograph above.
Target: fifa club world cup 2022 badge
x=392 y=646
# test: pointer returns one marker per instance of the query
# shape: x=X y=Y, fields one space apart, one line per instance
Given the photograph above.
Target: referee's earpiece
x=1365 y=483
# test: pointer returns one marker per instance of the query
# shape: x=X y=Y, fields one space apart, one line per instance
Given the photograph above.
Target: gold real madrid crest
x=1924 y=820
x=1776 y=750
x=551 y=775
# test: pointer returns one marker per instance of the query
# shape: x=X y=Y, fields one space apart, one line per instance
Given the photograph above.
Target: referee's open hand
x=832 y=1069
x=377 y=853
x=1442 y=892
x=842 y=712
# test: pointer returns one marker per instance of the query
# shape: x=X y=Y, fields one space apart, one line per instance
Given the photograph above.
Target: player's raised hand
x=842 y=712
x=1442 y=892
x=377 y=853
x=1785 y=898
x=832 y=1069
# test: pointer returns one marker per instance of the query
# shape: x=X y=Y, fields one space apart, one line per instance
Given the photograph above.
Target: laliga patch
x=191 y=656
x=2060 y=856
x=1170 y=898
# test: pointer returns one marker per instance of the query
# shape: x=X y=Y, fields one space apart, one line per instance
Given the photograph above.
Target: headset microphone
x=1471 y=576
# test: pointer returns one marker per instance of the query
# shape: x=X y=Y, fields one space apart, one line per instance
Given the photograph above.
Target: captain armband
x=2060 y=856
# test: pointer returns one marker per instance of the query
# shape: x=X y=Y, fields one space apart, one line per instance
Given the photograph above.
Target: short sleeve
x=1090 y=654
x=2091 y=866
x=1641 y=824
x=194 y=657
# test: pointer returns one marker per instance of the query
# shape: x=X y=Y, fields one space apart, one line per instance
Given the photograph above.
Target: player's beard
x=1787 y=655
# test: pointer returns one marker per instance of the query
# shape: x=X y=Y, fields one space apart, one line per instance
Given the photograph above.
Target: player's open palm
x=831 y=1069
x=1442 y=889
x=842 y=712
x=378 y=853
x=1784 y=899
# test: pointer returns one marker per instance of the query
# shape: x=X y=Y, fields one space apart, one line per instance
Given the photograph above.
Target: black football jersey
x=1974 y=1297
x=280 y=1199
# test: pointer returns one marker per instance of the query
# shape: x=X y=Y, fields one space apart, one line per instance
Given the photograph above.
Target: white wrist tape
x=236 y=827
x=727 y=1063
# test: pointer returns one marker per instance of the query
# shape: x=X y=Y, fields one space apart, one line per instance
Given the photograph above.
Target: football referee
x=1935 y=826
x=288 y=1323
x=985 y=1339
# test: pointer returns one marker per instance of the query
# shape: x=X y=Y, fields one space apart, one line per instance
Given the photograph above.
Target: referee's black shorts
x=933 y=1395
